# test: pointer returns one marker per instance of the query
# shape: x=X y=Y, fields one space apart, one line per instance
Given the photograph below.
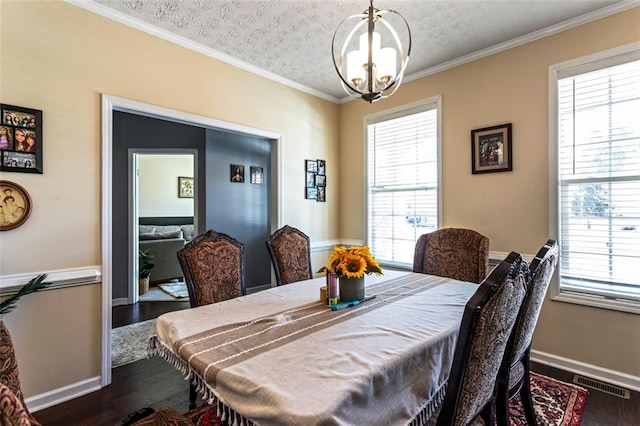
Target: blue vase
x=351 y=289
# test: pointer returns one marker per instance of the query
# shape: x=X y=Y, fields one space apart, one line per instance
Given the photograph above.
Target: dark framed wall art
x=20 y=139
x=237 y=173
x=316 y=180
x=491 y=149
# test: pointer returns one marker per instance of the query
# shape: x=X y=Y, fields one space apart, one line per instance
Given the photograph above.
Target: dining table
x=281 y=356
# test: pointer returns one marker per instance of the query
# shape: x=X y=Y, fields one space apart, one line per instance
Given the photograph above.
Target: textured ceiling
x=292 y=39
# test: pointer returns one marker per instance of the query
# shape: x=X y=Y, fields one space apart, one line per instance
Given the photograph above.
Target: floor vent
x=602 y=386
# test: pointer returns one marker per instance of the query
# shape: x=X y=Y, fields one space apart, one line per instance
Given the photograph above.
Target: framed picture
x=257 y=175
x=311 y=179
x=185 y=187
x=321 y=180
x=321 y=194
x=311 y=166
x=15 y=205
x=321 y=167
x=20 y=139
x=491 y=149
x=312 y=193
x=237 y=173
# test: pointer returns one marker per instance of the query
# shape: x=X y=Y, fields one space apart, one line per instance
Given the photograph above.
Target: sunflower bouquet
x=352 y=262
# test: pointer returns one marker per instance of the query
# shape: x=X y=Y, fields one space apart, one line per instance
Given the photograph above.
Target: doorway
x=162 y=199
x=112 y=179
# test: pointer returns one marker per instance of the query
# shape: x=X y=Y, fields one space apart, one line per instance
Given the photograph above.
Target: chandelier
x=370 y=71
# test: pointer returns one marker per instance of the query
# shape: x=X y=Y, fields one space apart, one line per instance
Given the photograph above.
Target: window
x=403 y=180
x=597 y=152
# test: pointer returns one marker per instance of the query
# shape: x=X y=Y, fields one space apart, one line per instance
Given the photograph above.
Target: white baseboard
x=63 y=394
x=593 y=371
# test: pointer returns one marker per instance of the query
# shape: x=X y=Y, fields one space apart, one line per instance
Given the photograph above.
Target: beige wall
x=158 y=185
x=511 y=208
x=62 y=64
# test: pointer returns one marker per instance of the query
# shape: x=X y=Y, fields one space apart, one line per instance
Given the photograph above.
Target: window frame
x=600 y=60
x=431 y=103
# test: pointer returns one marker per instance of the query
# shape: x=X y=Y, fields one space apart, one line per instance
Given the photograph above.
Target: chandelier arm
x=344 y=48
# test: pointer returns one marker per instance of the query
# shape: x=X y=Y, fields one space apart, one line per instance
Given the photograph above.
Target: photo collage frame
x=20 y=139
x=316 y=180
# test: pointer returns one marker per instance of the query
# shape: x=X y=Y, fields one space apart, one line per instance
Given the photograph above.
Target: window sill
x=597 y=301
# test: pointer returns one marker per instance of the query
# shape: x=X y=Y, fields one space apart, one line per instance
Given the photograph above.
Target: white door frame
x=113 y=103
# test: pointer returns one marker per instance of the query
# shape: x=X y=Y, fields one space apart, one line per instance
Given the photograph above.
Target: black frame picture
x=491 y=149
x=236 y=173
x=20 y=139
x=315 y=180
x=257 y=175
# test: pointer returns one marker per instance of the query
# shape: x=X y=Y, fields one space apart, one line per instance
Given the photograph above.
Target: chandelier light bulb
x=370 y=71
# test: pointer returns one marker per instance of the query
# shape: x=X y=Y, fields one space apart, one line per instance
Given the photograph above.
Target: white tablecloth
x=280 y=357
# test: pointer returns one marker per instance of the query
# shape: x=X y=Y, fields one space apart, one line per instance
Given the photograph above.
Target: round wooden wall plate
x=15 y=205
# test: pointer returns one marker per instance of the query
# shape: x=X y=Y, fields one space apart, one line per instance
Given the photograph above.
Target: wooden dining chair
x=290 y=251
x=213 y=268
x=487 y=323
x=514 y=377
x=13 y=409
x=458 y=253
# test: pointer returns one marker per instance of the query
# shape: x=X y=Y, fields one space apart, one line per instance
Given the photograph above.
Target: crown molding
x=519 y=41
x=196 y=47
x=498 y=48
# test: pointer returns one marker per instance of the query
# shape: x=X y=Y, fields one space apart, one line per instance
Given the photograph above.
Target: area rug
x=176 y=289
x=129 y=343
x=556 y=403
x=156 y=294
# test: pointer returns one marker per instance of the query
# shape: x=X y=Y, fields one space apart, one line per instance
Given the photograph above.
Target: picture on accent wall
x=185 y=187
x=20 y=139
x=15 y=205
x=257 y=175
x=237 y=173
x=321 y=194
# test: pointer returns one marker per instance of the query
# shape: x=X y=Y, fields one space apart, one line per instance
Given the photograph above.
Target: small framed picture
x=311 y=179
x=321 y=180
x=321 y=194
x=237 y=173
x=491 y=149
x=312 y=193
x=321 y=167
x=185 y=187
x=15 y=205
x=257 y=175
x=311 y=166
x=20 y=139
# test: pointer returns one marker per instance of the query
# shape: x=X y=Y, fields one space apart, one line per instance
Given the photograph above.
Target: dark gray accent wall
x=135 y=131
x=240 y=209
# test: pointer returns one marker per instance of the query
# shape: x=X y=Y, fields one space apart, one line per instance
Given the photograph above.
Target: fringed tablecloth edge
x=226 y=414
x=423 y=417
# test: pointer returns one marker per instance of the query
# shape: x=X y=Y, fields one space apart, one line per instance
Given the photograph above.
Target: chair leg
x=525 y=392
x=192 y=396
x=502 y=402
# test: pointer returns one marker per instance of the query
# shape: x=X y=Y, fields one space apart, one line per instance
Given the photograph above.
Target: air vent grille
x=602 y=386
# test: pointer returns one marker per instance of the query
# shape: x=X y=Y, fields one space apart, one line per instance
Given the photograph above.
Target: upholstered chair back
x=213 y=267
x=514 y=376
x=458 y=253
x=486 y=325
x=13 y=409
x=290 y=252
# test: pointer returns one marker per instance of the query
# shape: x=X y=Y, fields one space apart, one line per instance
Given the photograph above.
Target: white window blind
x=403 y=182
x=598 y=107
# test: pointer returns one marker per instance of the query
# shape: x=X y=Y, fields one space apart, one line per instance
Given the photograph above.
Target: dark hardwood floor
x=155 y=383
